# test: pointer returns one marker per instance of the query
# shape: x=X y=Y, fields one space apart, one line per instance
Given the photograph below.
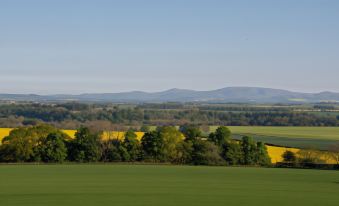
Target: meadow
x=138 y=185
x=300 y=137
x=323 y=133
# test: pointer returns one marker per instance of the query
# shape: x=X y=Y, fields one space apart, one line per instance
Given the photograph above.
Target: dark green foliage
x=152 y=144
x=52 y=148
x=85 y=147
x=185 y=150
x=166 y=144
x=110 y=151
x=206 y=153
x=124 y=153
x=157 y=114
x=22 y=144
x=190 y=132
x=262 y=156
x=220 y=136
x=132 y=146
x=254 y=153
x=232 y=153
x=249 y=151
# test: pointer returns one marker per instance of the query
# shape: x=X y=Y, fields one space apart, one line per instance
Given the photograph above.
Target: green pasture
x=301 y=137
x=142 y=185
x=324 y=133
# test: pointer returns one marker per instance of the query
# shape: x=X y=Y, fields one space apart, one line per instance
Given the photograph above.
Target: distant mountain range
x=228 y=94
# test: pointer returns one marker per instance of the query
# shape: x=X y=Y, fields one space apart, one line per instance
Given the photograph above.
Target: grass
x=324 y=133
x=138 y=185
x=300 y=137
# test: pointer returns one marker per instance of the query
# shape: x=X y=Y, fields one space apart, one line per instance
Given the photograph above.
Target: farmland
x=323 y=133
x=300 y=137
x=55 y=185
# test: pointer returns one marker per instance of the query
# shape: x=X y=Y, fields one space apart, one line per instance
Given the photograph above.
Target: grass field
x=73 y=185
x=324 y=133
x=300 y=137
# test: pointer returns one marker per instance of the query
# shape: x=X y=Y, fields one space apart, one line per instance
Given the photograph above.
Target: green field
x=63 y=185
x=324 y=133
x=301 y=137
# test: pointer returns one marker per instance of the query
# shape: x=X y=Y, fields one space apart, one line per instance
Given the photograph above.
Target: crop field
x=138 y=185
x=300 y=137
x=323 y=133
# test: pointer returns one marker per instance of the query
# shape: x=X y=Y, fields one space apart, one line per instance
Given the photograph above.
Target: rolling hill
x=228 y=94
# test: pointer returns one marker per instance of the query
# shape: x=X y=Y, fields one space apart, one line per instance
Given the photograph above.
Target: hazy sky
x=75 y=46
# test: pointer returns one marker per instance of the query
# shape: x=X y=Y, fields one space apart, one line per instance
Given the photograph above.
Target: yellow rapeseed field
x=274 y=152
x=71 y=133
x=4 y=132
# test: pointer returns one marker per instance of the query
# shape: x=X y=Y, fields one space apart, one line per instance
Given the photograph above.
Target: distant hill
x=228 y=94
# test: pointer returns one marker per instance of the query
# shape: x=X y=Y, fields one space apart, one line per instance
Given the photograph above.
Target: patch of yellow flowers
x=71 y=133
x=274 y=152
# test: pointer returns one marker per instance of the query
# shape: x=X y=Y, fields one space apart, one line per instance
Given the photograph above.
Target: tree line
x=45 y=143
x=72 y=115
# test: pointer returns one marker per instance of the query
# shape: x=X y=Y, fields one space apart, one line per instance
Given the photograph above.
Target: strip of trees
x=44 y=143
x=72 y=115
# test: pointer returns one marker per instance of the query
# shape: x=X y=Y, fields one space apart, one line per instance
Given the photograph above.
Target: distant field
x=85 y=185
x=325 y=133
x=301 y=137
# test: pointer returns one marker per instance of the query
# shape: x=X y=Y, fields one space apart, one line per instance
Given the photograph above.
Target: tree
x=132 y=145
x=110 y=151
x=232 y=153
x=152 y=145
x=190 y=132
x=206 y=153
x=220 y=136
x=125 y=156
x=21 y=144
x=185 y=150
x=249 y=150
x=262 y=158
x=53 y=148
x=289 y=156
x=85 y=147
x=171 y=138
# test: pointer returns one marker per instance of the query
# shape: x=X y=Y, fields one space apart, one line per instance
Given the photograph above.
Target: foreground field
x=55 y=185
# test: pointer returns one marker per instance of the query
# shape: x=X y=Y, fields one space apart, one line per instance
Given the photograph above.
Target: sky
x=83 y=46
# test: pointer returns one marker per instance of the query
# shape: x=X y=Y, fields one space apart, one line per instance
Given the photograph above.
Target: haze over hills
x=228 y=94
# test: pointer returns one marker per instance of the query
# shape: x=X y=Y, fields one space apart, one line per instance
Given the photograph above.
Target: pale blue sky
x=64 y=46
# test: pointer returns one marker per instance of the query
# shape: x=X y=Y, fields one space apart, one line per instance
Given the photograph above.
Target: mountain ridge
x=223 y=95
